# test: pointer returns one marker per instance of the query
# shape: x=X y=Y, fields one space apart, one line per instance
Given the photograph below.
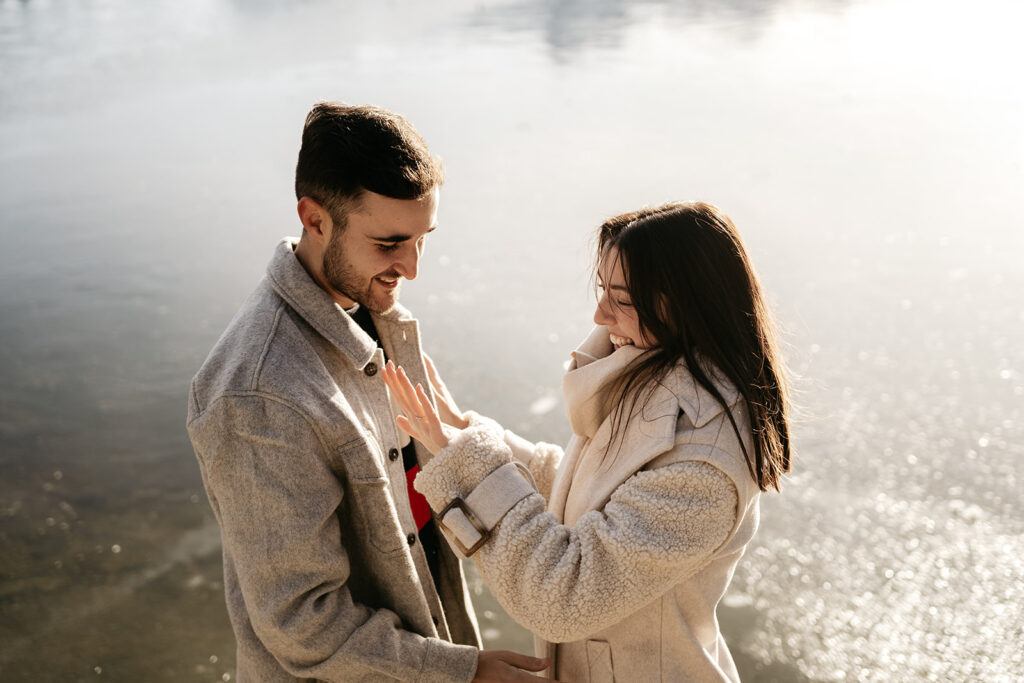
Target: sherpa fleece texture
x=619 y=566
x=566 y=583
x=541 y=458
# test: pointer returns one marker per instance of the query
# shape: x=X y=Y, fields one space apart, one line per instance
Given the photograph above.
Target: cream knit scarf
x=595 y=362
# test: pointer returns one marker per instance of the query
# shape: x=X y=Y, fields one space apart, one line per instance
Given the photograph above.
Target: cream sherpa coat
x=620 y=560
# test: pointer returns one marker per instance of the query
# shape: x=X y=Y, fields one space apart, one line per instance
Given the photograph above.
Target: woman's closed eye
x=620 y=302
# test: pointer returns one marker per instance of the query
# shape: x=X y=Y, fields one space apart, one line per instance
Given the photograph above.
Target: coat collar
x=291 y=282
x=596 y=361
x=590 y=471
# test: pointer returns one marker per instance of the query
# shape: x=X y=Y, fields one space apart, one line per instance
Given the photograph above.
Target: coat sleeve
x=276 y=498
x=564 y=583
x=541 y=458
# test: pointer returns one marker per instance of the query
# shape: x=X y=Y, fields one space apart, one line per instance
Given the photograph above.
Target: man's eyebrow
x=398 y=239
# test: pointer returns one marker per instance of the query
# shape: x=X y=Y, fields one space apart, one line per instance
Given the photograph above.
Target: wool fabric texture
x=300 y=455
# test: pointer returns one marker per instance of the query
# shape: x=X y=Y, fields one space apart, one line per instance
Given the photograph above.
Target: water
x=871 y=153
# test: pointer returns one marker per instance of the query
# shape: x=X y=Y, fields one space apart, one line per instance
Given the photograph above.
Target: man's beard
x=342 y=277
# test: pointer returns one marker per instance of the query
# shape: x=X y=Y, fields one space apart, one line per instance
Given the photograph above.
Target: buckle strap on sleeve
x=469 y=521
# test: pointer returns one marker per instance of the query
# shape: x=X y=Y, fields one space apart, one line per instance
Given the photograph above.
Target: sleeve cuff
x=448 y=663
x=483 y=422
x=471 y=485
x=522 y=450
x=461 y=465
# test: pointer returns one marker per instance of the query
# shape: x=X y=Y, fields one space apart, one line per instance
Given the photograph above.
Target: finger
x=387 y=374
x=423 y=402
x=441 y=394
x=401 y=391
x=408 y=393
x=525 y=662
x=431 y=420
x=429 y=412
x=405 y=425
x=416 y=428
x=429 y=363
x=394 y=383
x=435 y=379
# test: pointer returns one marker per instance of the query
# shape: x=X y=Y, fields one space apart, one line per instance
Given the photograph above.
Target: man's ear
x=316 y=221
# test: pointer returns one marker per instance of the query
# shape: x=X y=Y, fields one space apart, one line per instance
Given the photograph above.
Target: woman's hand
x=420 y=420
x=446 y=408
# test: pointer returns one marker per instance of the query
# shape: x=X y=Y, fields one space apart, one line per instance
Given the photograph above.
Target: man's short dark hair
x=347 y=149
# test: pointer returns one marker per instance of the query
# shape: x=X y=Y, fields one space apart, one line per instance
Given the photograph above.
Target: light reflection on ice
x=899 y=590
x=544 y=404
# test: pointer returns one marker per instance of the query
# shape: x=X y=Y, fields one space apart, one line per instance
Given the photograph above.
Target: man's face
x=382 y=243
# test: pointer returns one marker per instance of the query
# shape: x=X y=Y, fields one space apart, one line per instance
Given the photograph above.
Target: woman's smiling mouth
x=618 y=341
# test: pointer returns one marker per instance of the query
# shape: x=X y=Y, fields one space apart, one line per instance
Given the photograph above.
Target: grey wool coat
x=619 y=560
x=300 y=456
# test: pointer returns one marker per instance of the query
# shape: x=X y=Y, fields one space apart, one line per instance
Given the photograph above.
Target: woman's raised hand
x=446 y=408
x=420 y=420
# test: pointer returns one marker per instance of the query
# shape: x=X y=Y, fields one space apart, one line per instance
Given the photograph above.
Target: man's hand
x=503 y=665
x=446 y=408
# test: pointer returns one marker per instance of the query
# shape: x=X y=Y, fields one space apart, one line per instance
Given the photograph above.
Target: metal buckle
x=484 y=533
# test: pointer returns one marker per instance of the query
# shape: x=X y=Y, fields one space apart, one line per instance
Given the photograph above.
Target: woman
x=678 y=407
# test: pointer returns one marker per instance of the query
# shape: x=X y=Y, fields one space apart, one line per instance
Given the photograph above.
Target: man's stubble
x=342 y=277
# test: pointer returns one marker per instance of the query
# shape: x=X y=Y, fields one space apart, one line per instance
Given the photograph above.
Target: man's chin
x=382 y=302
x=384 y=310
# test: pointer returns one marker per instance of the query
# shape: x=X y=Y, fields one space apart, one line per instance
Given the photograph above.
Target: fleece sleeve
x=564 y=583
x=541 y=458
x=268 y=477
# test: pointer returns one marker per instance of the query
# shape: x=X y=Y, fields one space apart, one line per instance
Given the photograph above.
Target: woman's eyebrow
x=600 y=283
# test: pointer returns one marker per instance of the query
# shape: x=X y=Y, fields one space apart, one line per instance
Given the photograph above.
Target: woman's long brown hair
x=697 y=297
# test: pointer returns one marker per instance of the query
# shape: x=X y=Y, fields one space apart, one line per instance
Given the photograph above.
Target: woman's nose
x=602 y=316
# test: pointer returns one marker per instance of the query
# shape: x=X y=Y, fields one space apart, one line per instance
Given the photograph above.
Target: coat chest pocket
x=599 y=662
x=372 y=503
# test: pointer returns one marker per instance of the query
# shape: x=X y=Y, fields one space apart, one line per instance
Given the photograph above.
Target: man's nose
x=408 y=263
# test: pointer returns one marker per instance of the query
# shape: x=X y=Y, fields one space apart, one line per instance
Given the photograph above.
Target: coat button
x=370 y=369
x=436 y=622
x=393 y=454
x=411 y=538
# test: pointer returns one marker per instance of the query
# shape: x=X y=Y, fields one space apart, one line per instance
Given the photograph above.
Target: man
x=332 y=571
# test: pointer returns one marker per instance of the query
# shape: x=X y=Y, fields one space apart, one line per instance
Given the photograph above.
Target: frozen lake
x=871 y=152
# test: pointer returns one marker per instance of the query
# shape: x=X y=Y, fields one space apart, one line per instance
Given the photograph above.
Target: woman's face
x=614 y=307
